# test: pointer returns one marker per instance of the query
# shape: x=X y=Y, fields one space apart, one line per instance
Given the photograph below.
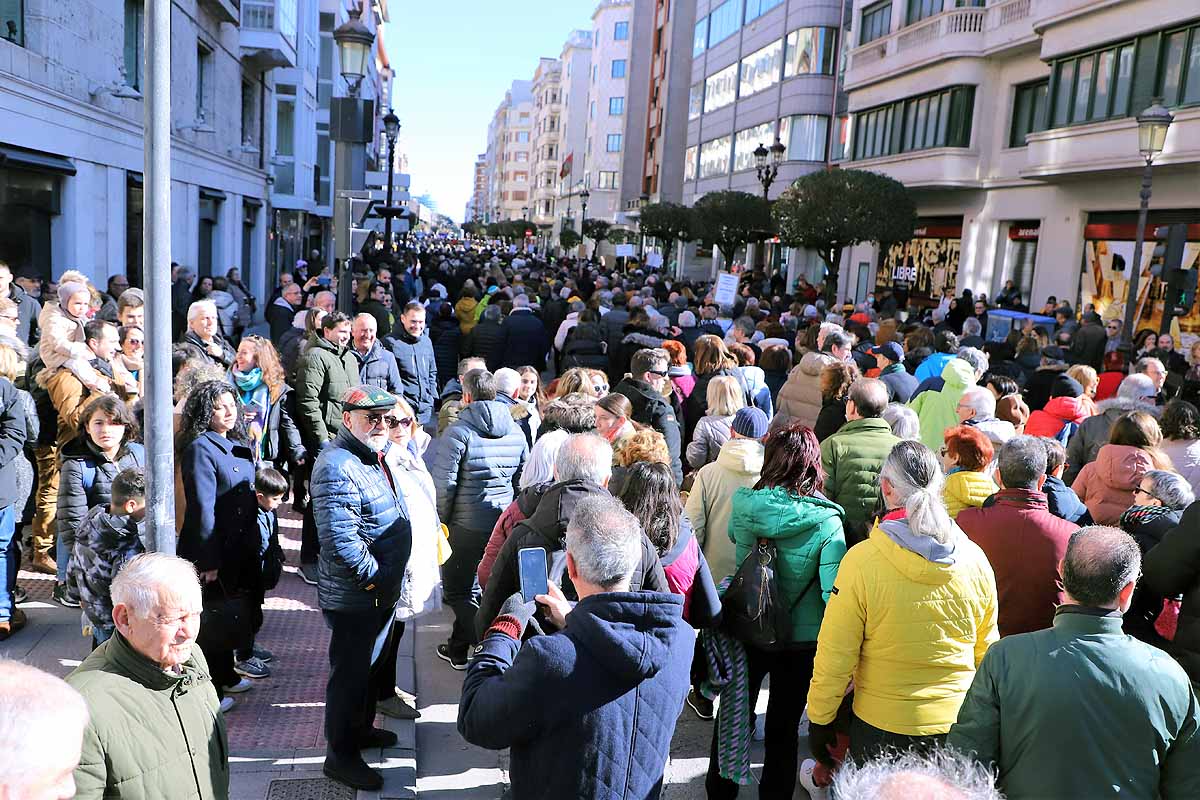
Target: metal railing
x=952 y=22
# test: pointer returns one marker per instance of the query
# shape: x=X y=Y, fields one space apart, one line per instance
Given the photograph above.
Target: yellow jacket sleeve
x=987 y=634
x=839 y=642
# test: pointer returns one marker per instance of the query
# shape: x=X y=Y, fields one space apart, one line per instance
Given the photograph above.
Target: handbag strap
x=763 y=543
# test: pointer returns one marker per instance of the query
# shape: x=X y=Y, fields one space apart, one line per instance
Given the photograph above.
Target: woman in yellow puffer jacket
x=966 y=455
x=911 y=615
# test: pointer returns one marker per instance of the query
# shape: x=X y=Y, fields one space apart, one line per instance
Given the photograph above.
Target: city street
x=275 y=731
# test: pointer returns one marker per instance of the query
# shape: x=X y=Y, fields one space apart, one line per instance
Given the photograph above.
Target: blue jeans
x=62 y=555
x=10 y=559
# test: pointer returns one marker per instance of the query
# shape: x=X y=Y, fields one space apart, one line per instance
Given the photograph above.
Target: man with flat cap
x=366 y=537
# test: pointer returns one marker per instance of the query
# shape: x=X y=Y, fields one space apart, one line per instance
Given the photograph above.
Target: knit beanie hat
x=750 y=422
x=68 y=290
x=1065 y=386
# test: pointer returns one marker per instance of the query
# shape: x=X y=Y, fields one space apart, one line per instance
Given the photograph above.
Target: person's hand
x=215 y=349
x=514 y=616
x=556 y=603
x=209 y=576
x=102 y=385
x=820 y=739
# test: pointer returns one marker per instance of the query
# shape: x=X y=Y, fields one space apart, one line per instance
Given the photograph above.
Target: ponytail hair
x=915 y=475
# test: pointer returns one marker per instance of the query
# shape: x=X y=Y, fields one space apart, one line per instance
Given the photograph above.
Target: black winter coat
x=1088 y=344
x=279 y=316
x=418 y=372
x=1147 y=527
x=225 y=360
x=1170 y=569
x=651 y=408
x=446 y=335
x=585 y=347
x=12 y=440
x=484 y=342
x=547 y=528
x=523 y=341
x=220 y=524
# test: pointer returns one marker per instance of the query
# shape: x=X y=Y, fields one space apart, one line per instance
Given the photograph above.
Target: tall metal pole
x=156 y=249
x=387 y=224
x=1135 y=269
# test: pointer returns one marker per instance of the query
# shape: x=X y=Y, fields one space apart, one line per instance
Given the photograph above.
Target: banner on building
x=926 y=266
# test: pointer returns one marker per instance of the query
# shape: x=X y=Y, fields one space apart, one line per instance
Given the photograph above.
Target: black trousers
x=868 y=742
x=460 y=585
x=355 y=682
x=791 y=672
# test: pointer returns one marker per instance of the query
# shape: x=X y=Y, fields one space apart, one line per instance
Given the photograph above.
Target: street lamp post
x=1152 y=135
x=583 y=198
x=391 y=129
x=767 y=171
x=351 y=128
x=524 y=213
x=643 y=201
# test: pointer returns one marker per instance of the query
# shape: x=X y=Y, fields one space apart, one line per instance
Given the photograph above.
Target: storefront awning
x=252 y=201
x=212 y=194
x=34 y=160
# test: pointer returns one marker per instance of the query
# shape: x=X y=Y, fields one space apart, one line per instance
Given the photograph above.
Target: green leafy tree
x=669 y=222
x=493 y=231
x=831 y=210
x=622 y=236
x=568 y=238
x=728 y=220
x=596 y=230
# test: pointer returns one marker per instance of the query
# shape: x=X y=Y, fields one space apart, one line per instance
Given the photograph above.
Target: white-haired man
x=977 y=408
x=612 y=681
x=203 y=332
x=42 y=720
x=156 y=729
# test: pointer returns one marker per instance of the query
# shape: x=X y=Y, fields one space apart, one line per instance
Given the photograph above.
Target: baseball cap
x=889 y=350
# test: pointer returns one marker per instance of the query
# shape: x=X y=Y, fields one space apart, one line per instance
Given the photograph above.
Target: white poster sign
x=725 y=293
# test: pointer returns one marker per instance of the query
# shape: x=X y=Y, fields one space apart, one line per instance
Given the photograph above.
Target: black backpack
x=750 y=608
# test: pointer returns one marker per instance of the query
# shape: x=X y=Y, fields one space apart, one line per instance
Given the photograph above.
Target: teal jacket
x=1082 y=710
x=810 y=543
x=938 y=411
x=852 y=458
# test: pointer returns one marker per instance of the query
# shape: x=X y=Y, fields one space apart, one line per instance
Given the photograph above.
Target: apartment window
x=1179 y=73
x=841 y=138
x=521 y=177
x=876 y=22
x=700 y=37
x=922 y=9
x=618 y=68
x=724 y=21
x=518 y=196
x=612 y=144
x=135 y=16
x=714 y=157
x=809 y=51
x=595 y=72
x=756 y=8
x=695 y=101
x=1093 y=86
x=592 y=110
x=12 y=21
x=760 y=70
x=522 y=136
x=285 y=124
x=805 y=136
x=608 y=180
x=522 y=157
x=745 y=142
x=720 y=89
x=204 y=59
x=524 y=116
x=620 y=31
x=1029 y=111
x=616 y=106
x=249 y=114
x=324 y=158
x=939 y=119
x=325 y=70
x=690 y=159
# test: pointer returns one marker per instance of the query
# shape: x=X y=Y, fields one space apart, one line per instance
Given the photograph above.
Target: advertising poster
x=924 y=267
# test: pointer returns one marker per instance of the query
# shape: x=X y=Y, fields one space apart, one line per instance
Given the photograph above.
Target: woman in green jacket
x=787 y=507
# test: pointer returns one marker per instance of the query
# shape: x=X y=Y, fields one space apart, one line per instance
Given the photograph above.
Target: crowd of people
x=956 y=556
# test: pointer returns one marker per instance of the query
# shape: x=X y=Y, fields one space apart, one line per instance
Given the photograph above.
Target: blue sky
x=454 y=59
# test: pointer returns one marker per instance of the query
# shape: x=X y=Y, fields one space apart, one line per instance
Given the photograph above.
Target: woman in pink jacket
x=1106 y=485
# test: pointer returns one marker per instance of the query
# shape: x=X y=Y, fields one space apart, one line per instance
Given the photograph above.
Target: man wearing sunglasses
x=366 y=537
x=644 y=390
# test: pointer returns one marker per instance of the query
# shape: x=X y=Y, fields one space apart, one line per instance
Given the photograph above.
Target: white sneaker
x=226 y=704
x=806 y=780
x=242 y=685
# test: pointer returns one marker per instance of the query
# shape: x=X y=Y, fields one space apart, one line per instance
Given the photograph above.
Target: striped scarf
x=728 y=676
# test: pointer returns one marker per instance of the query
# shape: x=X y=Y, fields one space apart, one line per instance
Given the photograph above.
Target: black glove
x=514 y=614
x=820 y=739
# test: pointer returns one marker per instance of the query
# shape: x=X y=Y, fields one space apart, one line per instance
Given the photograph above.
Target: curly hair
x=1181 y=421
x=266 y=358
x=644 y=445
x=651 y=496
x=836 y=379
x=115 y=409
x=196 y=418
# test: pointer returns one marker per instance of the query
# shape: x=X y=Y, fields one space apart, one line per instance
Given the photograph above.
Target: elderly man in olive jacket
x=1080 y=709
x=853 y=456
x=156 y=729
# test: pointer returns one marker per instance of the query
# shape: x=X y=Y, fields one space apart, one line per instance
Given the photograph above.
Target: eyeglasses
x=135 y=342
x=662 y=373
x=1151 y=495
x=391 y=420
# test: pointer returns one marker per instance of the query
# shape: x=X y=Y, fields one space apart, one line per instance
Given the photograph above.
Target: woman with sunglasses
x=1158 y=505
x=133 y=353
x=258 y=377
x=421 y=590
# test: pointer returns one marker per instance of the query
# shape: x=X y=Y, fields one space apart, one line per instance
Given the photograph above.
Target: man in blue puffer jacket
x=366 y=538
x=588 y=712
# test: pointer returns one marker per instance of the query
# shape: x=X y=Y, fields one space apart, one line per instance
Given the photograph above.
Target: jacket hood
x=813 y=361
x=630 y=633
x=782 y=515
x=321 y=341
x=743 y=456
x=1067 y=408
x=452 y=390
x=489 y=418
x=1122 y=465
x=958 y=374
x=114 y=528
x=529 y=498
x=558 y=504
x=927 y=548
x=466 y=304
x=679 y=370
x=911 y=554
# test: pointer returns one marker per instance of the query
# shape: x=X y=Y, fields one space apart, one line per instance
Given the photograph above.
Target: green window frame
x=936 y=119
x=875 y=22
x=1029 y=111
x=1178 y=77
x=1093 y=86
x=12 y=21
x=135 y=20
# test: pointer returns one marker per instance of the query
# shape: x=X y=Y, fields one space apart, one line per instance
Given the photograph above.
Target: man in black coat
x=643 y=388
x=415 y=361
x=1089 y=342
x=485 y=338
x=524 y=341
x=283 y=309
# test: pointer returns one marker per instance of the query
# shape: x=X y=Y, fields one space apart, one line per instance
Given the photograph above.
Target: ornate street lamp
x=1152 y=136
x=766 y=164
x=354 y=40
x=391 y=129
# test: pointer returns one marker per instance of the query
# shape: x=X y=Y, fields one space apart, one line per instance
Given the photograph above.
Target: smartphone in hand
x=531 y=566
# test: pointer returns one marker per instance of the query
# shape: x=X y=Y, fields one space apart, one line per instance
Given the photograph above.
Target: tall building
x=71 y=144
x=547 y=141
x=576 y=61
x=508 y=155
x=1014 y=125
x=478 y=203
x=608 y=89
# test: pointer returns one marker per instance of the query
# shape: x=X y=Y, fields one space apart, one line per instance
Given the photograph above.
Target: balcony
x=937 y=168
x=223 y=10
x=956 y=33
x=268 y=33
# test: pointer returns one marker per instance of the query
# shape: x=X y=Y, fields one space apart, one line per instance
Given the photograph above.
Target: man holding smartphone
x=617 y=672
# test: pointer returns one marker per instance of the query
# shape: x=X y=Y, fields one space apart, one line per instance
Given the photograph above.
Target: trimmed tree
x=568 y=238
x=669 y=222
x=596 y=230
x=728 y=220
x=831 y=210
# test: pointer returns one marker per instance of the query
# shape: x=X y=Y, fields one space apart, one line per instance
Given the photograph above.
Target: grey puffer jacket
x=800 y=398
x=378 y=368
x=364 y=528
x=477 y=466
x=1093 y=433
